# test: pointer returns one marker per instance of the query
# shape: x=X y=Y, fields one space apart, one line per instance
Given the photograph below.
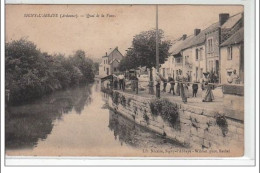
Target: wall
x=196 y=128
x=187 y=62
x=115 y=54
x=229 y=65
x=200 y=64
x=212 y=56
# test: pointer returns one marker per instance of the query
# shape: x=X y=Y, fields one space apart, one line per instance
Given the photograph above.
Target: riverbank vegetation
x=31 y=73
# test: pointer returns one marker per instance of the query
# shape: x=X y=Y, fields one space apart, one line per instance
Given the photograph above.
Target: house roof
x=114 y=60
x=110 y=51
x=201 y=37
x=192 y=40
x=179 y=44
x=236 y=38
x=232 y=21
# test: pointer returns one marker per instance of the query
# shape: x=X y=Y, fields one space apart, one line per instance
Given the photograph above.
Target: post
x=157 y=54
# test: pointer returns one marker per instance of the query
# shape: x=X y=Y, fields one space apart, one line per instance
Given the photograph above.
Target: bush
x=166 y=109
x=221 y=121
x=123 y=101
x=115 y=98
x=156 y=107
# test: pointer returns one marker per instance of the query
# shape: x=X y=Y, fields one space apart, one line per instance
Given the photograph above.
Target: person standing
x=229 y=77
x=235 y=77
x=195 y=89
x=183 y=87
x=121 y=81
x=178 y=84
x=172 y=83
x=164 y=84
x=208 y=95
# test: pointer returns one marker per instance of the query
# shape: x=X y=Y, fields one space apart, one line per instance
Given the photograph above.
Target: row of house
x=218 y=49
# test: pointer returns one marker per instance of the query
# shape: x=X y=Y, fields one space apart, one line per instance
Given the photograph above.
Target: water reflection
x=26 y=124
x=129 y=133
x=76 y=122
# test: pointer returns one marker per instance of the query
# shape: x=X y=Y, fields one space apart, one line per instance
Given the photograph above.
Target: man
x=121 y=81
x=195 y=89
x=172 y=83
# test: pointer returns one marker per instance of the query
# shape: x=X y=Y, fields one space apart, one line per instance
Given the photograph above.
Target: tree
x=143 y=51
x=85 y=65
x=31 y=74
x=129 y=62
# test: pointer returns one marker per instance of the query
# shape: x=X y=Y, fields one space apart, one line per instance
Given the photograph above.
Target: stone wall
x=196 y=127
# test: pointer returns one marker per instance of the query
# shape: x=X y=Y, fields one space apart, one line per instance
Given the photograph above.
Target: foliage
x=129 y=101
x=166 y=109
x=115 y=98
x=145 y=116
x=123 y=101
x=31 y=73
x=143 y=51
x=156 y=107
x=222 y=123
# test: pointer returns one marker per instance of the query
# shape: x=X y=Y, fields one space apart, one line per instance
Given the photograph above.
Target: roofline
x=117 y=50
x=231 y=44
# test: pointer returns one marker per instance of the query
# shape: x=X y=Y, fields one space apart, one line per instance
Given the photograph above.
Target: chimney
x=184 y=36
x=196 y=32
x=223 y=17
x=117 y=48
x=106 y=53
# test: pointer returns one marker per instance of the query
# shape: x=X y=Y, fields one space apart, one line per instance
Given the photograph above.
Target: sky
x=96 y=35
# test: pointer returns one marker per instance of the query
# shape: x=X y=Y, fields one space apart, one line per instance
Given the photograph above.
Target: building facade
x=110 y=62
x=232 y=57
x=200 y=52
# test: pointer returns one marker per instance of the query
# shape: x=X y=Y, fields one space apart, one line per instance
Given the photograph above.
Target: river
x=77 y=122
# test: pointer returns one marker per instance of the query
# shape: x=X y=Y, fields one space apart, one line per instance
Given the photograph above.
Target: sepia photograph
x=124 y=80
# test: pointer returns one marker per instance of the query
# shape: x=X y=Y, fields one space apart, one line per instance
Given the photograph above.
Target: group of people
x=183 y=84
x=233 y=78
x=119 y=82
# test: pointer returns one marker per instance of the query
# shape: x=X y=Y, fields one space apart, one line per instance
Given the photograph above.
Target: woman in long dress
x=178 y=85
x=183 y=88
x=208 y=95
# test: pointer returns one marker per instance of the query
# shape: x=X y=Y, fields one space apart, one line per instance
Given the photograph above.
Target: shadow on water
x=26 y=124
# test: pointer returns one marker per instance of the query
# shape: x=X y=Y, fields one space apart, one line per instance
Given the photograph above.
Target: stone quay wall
x=196 y=127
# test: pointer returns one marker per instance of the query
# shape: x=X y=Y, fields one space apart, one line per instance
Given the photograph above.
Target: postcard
x=124 y=80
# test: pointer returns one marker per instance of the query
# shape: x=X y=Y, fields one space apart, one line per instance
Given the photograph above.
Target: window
x=114 y=68
x=210 y=45
x=200 y=54
x=197 y=54
x=178 y=60
x=104 y=69
x=230 y=53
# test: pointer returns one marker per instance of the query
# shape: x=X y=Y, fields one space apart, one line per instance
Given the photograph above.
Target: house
x=110 y=62
x=180 y=59
x=200 y=52
x=232 y=56
x=216 y=34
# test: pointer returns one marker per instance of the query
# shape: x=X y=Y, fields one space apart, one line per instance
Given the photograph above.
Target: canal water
x=77 y=122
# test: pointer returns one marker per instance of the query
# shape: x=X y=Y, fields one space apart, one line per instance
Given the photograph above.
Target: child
x=194 y=89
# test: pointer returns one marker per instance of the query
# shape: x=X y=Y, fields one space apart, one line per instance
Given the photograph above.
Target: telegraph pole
x=157 y=40
x=157 y=54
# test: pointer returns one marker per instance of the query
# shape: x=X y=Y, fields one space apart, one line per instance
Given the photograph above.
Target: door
x=197 y=69
x=107 y=71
